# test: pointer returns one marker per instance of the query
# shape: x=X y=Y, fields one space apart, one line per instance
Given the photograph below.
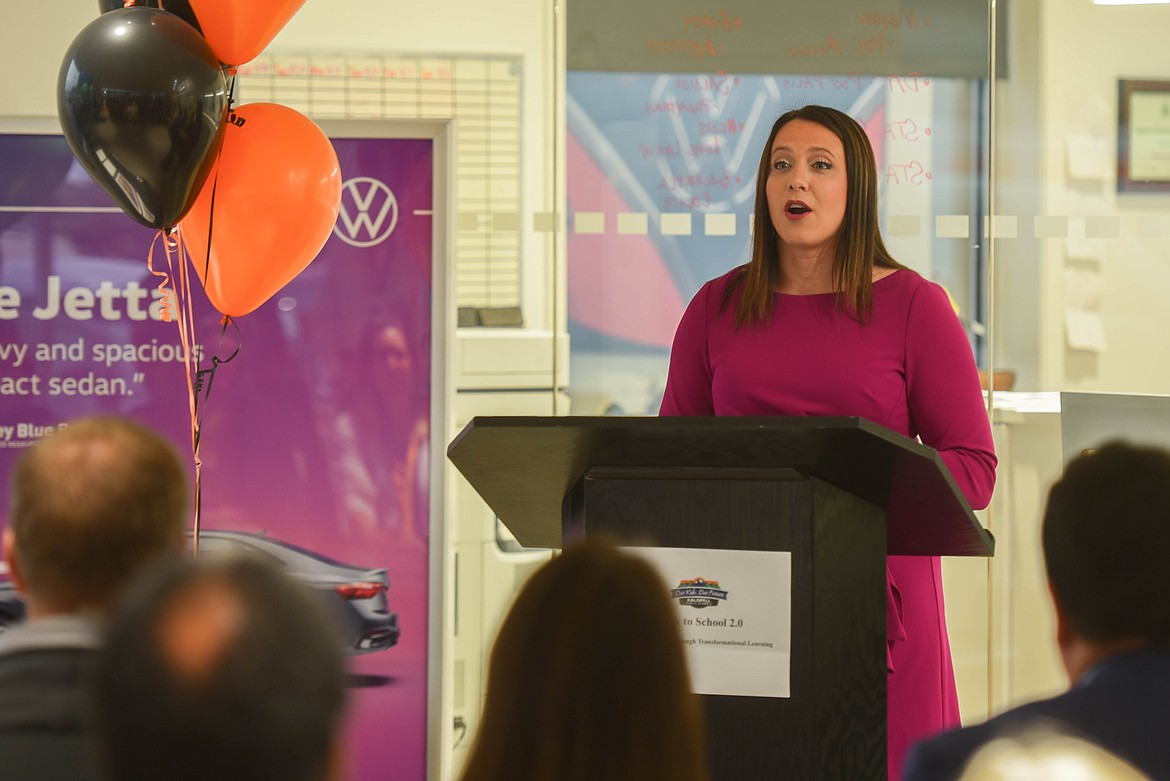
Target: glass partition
x=667 y=114
x=1078 y=248
x=1081 y=175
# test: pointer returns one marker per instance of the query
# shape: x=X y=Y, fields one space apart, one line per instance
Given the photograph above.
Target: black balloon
x=180 y=8
x=142 y=100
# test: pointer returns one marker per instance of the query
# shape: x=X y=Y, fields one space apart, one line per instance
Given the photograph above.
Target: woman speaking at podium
x=823 y=321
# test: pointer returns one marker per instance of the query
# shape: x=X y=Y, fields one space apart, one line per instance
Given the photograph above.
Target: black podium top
x=524 y=466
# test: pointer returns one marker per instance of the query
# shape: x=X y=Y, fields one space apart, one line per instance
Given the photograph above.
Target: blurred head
x=1045 y=755
x=589 y=652
x=1106 y=537
x=845 y=216
x=91 y=504
x=223 y=669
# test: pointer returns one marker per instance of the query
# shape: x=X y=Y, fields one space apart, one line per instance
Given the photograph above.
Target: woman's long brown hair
x=588 y=679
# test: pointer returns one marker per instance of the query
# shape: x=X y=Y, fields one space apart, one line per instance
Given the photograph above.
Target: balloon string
x=167 y=301
x=186 y=324
x=199 y=381
x=207 y=283
x=205 y=377
x=211 y=206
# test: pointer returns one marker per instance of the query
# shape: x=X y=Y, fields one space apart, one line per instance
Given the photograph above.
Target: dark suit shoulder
x=1120 y=707
x=44 y=714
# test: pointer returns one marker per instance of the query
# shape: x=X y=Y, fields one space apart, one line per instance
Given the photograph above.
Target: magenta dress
x=908 y=368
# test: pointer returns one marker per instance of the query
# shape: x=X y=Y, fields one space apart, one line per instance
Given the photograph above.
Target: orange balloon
x=277 y=191
x=238 y=30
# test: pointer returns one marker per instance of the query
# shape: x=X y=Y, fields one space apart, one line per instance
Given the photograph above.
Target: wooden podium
x=838 y=493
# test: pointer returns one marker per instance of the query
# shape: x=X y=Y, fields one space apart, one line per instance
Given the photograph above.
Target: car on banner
x=354 y=597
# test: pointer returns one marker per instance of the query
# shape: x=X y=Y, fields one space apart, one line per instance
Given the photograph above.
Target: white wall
x=1016 y=331
x=515 y=27
x=1065 y=59
x=34 y=38
x=1085 y=49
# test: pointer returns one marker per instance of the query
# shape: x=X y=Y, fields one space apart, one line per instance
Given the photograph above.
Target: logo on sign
x=368 y=213
x=699 y=593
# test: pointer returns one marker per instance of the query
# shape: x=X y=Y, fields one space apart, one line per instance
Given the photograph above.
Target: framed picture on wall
x=1143 y=136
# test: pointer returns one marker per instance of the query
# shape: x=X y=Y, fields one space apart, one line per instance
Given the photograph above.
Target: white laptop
x=1089 y=420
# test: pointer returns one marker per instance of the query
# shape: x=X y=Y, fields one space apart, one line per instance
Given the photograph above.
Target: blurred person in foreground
x=1106 y=540
x=92 y=504
x=588 y=679
x=1047 y=755
x=220 y=669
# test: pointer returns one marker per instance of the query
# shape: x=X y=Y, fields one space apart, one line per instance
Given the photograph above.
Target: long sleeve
x=688 y=382
x=944 y=396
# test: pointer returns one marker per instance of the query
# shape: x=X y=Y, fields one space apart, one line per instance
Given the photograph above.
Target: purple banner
x=317 y=434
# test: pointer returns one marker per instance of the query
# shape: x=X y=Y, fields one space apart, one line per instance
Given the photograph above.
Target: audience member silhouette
x=1047 y=755
x=220 y=669
x=588 y=679
x=1106 y=541
x=92 y=504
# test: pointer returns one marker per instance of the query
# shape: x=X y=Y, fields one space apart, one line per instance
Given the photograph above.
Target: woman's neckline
x=876 y=282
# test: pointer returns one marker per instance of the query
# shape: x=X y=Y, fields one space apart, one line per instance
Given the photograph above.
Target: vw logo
x=368 y=213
